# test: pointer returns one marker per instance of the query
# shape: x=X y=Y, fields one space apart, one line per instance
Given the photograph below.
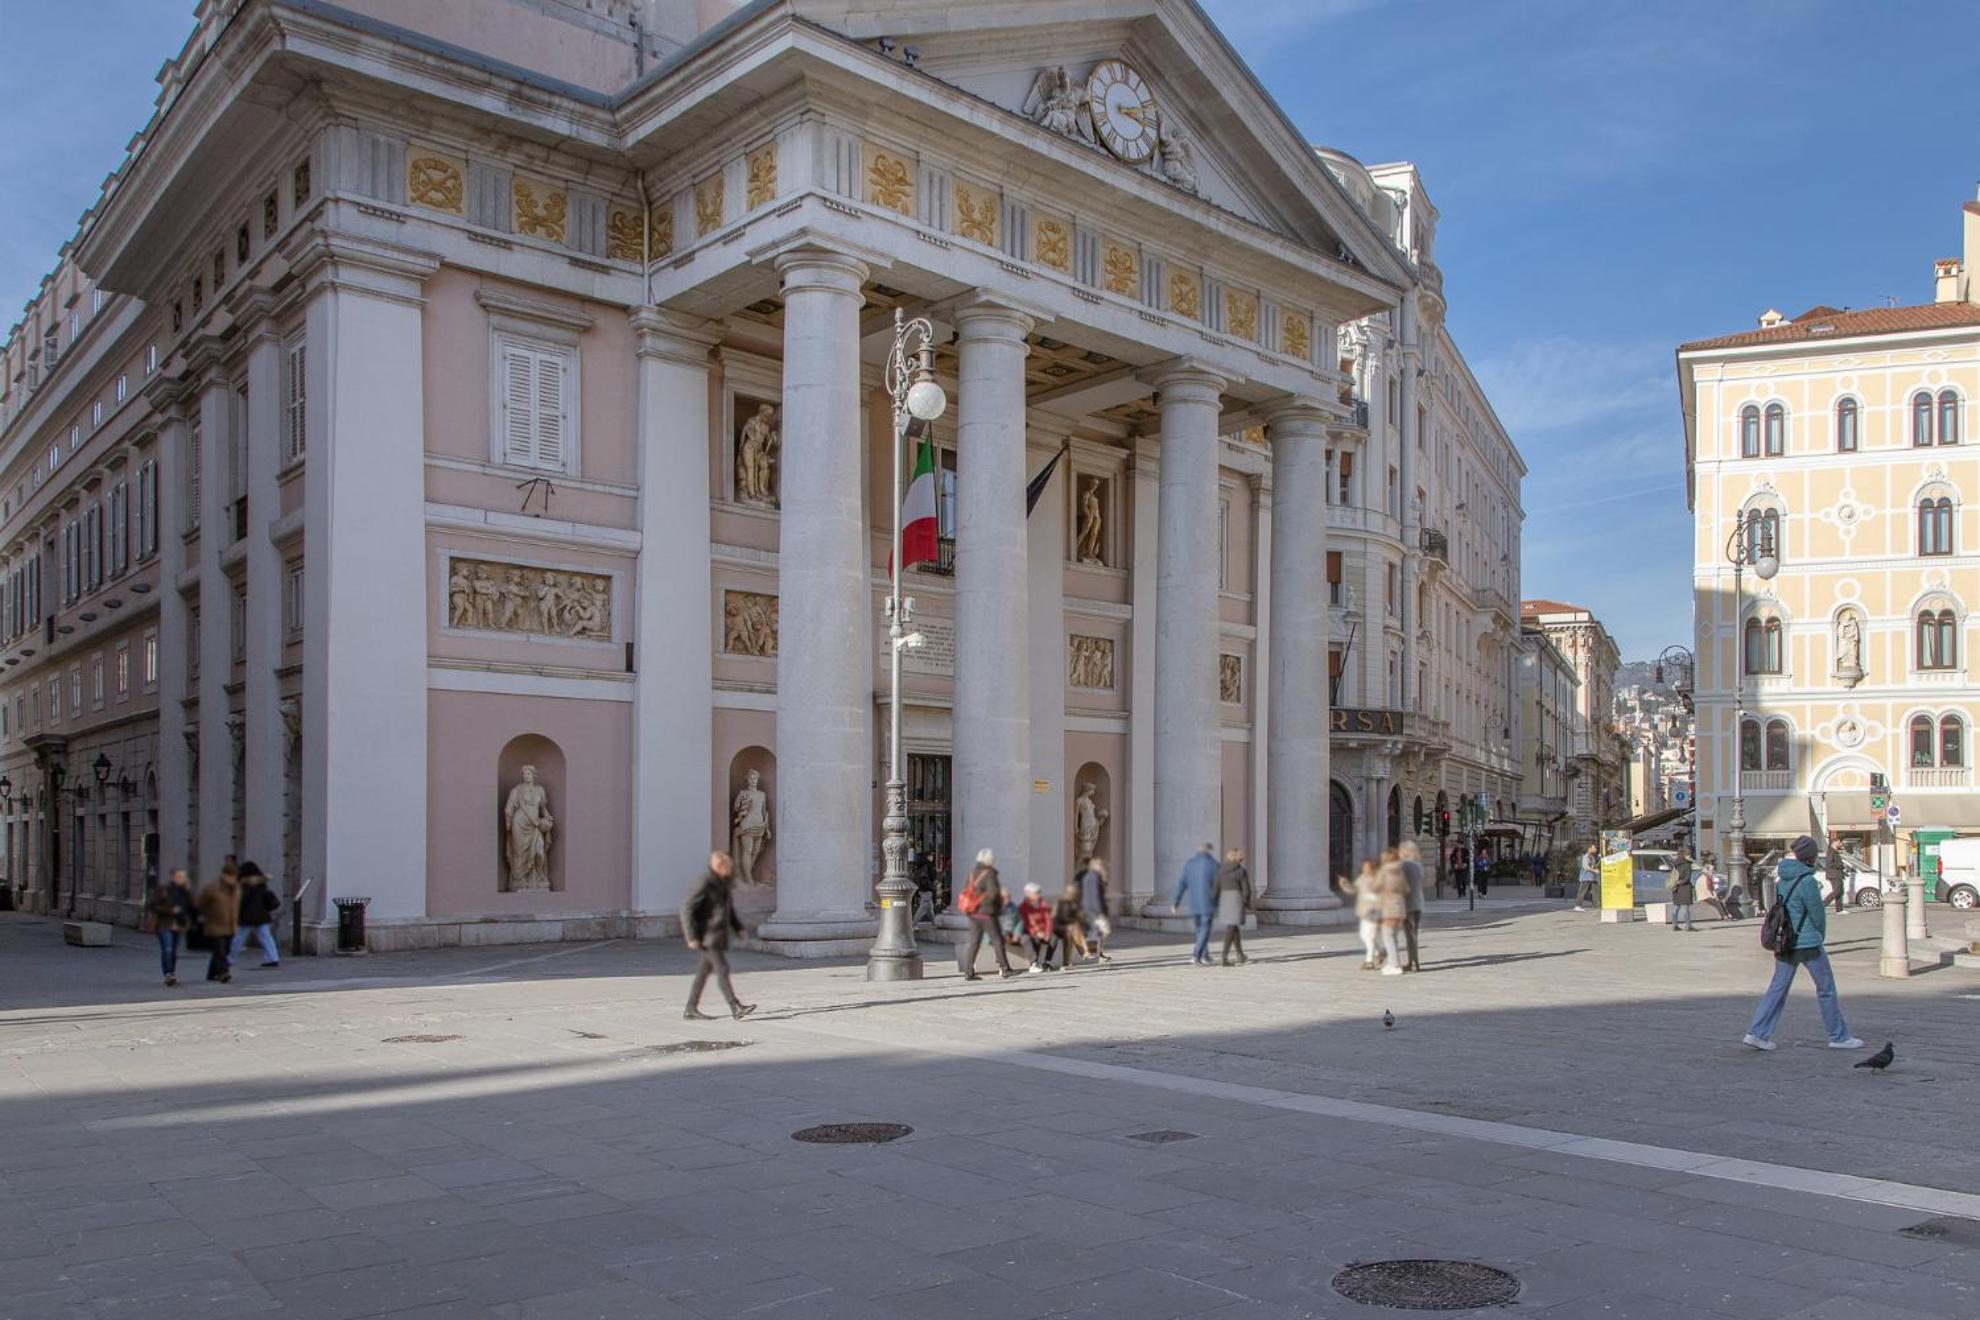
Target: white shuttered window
x=536 y=422
x=294 y=431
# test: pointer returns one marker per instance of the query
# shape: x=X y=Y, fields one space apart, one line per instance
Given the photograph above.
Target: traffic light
x=1879 y=781
x=1444 y=823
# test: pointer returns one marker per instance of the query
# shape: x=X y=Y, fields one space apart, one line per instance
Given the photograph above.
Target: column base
x=827 y=935
x=1302 y=910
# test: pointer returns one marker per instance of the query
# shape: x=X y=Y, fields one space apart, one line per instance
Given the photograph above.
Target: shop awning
x=1651 y=820
x=1850 y=810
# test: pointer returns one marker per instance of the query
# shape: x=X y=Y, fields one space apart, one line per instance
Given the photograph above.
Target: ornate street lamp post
x=1681 y=666
x=918 y=400
x=1752 y=542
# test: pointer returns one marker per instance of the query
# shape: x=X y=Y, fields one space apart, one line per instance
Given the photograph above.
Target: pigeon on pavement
x=1881 y=1059
x=1388 y=1018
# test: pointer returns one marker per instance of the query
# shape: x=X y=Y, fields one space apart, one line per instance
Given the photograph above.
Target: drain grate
x=852 y=1134
x=1426 y=1285
x=695 y=1046
x=419 y=1040
x=1948 y=1228
x=1163 y=1137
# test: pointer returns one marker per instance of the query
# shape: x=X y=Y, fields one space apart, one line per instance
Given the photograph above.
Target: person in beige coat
x=219 y=907
x=1368 y=914
x=1392 y=885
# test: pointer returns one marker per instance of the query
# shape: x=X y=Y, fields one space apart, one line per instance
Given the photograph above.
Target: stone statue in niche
x=1230 y=679
x=539 y=602
x=756 y=458
x=1087 y=820
x=1178 y=155
x=749 y=624
x=526 y=827
x=750 y=819
x=1059 y=104
x=1090 y=527
x=1849 y=649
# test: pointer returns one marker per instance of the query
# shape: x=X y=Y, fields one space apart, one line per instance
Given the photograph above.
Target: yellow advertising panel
x=1618 y=870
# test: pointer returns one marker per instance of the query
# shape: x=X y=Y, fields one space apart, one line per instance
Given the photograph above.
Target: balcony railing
x=945 y=558
x=1436 y=545
x=1766 y=781
x=1957 y=776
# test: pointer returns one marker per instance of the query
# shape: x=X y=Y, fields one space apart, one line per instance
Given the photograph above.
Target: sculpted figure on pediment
x=1058 y=103
x=1178 y=156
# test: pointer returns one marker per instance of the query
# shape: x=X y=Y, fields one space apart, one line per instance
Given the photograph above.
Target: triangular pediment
x=1148 y=84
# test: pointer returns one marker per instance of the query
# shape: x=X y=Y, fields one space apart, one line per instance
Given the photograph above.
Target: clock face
x=1123 y=110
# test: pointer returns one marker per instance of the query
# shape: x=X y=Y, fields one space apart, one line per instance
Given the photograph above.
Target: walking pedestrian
x=258 y=905
x=1796 y=889
x=1093 y=906
x=219 y=906
x=1069 y=925
x=1198 y=884
x=1683 y=892
x=1393 y=887
x=1233 y=901
x=1708 y=890
x=708 y=921
x=168 y=911
x=1035 y=920
x=1591 y=875
x=982 y=901
x=1368 y=914
x=1412 y=864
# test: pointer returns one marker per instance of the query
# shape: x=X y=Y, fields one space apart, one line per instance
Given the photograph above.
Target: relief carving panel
x=1090 y=662
x=489 y=596
x=749 y=624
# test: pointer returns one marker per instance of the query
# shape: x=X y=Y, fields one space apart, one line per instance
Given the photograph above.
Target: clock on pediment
x=1123 y=110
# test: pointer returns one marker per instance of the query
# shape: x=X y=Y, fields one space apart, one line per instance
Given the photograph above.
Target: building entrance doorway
x=928 y=794
x=1340 y=832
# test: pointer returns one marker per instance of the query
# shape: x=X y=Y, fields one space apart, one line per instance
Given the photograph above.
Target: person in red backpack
x=982 y=901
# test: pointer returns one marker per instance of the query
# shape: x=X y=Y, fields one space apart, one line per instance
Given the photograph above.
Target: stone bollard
x=1895 y=954
x=1914 y=897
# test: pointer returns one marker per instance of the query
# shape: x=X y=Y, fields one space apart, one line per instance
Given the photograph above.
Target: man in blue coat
x=1795 y=886
x=1199 y=887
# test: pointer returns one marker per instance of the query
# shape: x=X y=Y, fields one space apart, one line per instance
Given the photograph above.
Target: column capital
x=327 y=258
x=808 y=260
x=1187 y=380
x=985 y=314
x=672 y=337
x=1298 y=416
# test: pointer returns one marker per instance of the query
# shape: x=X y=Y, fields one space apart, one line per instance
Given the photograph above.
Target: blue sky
x=1613 y=177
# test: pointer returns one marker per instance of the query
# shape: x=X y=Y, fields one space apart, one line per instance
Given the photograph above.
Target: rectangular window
x=75 y=438
x=536 y=423
x=96 y=682
x=123 y=388
x=292 y=601
x=192 y=644
x=75 y=689
x=1389 y=588
x=1335 y=594
x=54 y=700
x=120 y=517
x=96 y=414
x=150 y=659
x=237 y=625
x=193 y=464
x=1347 y=477
x=1395 y=494
x=123 y=670
x=295 y=431
x=147 y=509
x=150 y=359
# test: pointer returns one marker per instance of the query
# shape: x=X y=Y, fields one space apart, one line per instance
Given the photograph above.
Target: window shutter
x=294 y=402
x=550 y=418
x=518 y=405
x=193 y=478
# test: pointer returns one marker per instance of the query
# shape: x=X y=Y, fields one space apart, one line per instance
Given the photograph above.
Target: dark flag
x=1035 y=488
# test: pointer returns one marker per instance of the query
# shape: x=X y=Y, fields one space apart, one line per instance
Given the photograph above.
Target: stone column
x=1297 y=738
x=824 y=647
x=265 y=777
x=1257 y=683
x=1407 y=438
x=215 y=602
x=1045 y=594
x=1136 y=878
x=993 y=700
x=365 y=592
x=1188 y=736
x=672 y=620
x=169 y=398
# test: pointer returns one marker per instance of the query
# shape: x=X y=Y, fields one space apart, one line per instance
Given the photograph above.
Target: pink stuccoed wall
x=466 y=734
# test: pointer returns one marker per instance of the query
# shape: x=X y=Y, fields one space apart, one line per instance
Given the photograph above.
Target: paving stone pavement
x=1558 y=1099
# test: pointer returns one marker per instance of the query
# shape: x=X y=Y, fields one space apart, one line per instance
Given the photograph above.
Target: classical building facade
x=1845 y=439
x=1549 y=729
x=1424 y=524
x=1593 y=760
x=468 y=489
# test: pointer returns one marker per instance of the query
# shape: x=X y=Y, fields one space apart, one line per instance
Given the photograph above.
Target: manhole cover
x=1959 y=1232
x=1426 y=1285
x=852 y=1134
x=696 y=1046
x=419 y=1040
x=1164 y=1137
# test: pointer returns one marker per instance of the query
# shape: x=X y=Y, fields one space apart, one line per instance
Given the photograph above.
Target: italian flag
x=918 y=526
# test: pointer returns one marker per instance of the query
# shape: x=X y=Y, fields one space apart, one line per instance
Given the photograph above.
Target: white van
x=1959 y=873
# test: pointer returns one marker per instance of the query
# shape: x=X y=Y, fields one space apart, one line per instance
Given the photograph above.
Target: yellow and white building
x=1848 y=435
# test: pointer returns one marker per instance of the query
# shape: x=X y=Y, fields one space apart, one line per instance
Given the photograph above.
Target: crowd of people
x=218 y=918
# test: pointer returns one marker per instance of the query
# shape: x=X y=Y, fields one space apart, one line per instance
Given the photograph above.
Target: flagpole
x=910 y=381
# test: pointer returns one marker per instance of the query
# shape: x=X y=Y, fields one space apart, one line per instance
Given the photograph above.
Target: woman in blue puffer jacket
x=1796 y=886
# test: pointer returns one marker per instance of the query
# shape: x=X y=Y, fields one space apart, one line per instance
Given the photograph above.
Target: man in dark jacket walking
x=982 y=901
x=1797 y=889
x=258 y=905
x=708 y=920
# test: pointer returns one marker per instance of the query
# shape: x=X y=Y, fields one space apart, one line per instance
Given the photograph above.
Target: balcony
x=945 y=558
x=1957 y=776
x=1766 y=781
x=1436 y=545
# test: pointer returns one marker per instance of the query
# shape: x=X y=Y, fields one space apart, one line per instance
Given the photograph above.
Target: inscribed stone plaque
x=937 y=652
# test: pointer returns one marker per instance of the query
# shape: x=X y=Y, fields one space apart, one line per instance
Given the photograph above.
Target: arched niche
x=532 y=749
x=1095 y=774
x=761 y=873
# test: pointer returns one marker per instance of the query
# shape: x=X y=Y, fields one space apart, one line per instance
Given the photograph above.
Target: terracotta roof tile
x=1549 y=607
x=1820 y=323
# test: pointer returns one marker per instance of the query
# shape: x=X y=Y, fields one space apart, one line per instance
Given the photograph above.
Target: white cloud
x=1558 y=383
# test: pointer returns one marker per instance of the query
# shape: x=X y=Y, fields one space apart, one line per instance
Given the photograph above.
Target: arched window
x=1948 y=417
x=1935 y=526
x=1952 y=742
x=1846 y=427
x=1763 y=646
x=1777 y=745
x=1749 y=744
x=1921 y=419
x=1921 y=742
x=1749 y=432
x=1776 y=430
x=1938 y=640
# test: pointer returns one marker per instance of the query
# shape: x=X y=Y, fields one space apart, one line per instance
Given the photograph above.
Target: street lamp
x=1752 y=542
x=1681 y=666
x=918 y=401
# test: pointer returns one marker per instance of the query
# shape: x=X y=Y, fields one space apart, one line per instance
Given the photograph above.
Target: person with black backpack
x=1794 y=930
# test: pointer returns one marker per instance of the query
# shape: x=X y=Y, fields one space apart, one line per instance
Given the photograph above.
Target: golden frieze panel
x=436 y=182
x=541 y=209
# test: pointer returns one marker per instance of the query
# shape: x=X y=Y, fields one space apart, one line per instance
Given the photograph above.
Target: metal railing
x=1436 y=545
